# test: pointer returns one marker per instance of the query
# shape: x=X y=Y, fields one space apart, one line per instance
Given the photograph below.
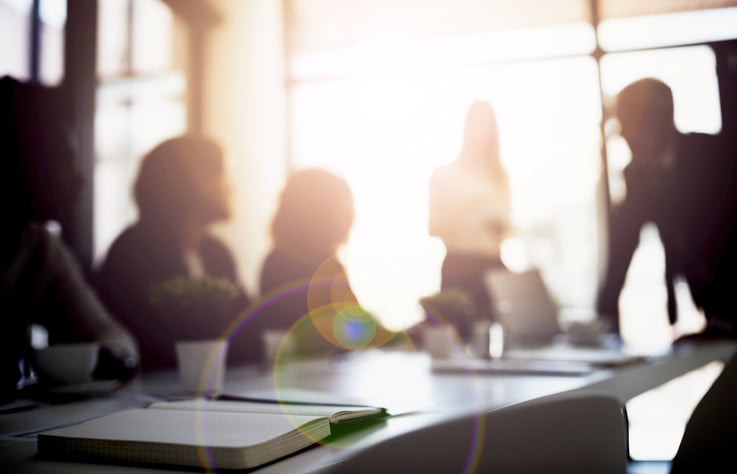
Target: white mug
x=70 y=363
x=440 y=341
x=202 y=365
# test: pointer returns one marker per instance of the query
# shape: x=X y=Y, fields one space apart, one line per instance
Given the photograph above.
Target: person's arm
x=71 y=311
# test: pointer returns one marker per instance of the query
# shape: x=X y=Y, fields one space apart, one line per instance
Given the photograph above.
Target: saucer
x=91 y=388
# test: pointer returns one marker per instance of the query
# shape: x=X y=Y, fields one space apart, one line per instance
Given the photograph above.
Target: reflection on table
x=402 y=381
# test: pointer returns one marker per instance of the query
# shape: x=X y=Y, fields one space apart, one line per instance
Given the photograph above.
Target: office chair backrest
x=563 y=433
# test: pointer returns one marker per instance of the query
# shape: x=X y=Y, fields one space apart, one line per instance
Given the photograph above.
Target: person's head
x=481 y=137
x=183 y=180
x=39 y=177
x=314 y=215
x=645 y=115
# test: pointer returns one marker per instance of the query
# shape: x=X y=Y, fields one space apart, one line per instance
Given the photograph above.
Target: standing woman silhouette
x=470 y=209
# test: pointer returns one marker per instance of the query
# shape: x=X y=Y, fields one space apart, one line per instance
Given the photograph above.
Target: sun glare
x=385 y=122
x=386 y=132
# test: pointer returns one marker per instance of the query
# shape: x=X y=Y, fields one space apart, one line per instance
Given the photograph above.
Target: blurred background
x=376 y=91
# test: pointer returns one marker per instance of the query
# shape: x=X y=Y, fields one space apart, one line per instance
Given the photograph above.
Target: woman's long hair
x=480 y=151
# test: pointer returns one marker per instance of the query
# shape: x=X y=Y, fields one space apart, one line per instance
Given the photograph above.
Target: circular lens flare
x=353 y=327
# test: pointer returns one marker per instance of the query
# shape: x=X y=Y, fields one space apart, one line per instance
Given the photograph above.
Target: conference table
x=404 y=381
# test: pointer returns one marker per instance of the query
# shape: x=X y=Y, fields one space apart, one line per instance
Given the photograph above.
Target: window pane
x=53 y=19
x=447 y=52
x=132 y=117
x=113 y=49
x=669 y=30
x=325 y=25
x=15 y=31
x=152 y=50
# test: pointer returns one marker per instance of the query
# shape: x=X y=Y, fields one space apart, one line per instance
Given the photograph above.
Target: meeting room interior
x=293 y=184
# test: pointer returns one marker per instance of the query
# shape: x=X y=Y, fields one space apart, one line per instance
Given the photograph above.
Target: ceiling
x=324 y=25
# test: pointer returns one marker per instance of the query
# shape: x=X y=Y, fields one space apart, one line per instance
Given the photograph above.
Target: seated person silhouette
x=303 y=284
x=683 y=183
x=41 y=282
x=181 y=190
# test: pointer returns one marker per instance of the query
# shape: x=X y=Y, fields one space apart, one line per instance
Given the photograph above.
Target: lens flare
x=334 y=322
x=353 y=327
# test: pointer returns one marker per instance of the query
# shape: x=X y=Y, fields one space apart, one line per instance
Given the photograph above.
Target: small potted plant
x=197 y=307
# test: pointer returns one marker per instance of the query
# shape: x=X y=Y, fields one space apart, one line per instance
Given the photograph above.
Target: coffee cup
x=202 y=365
x=587 y=333
x=66 y=364
x=440 y=342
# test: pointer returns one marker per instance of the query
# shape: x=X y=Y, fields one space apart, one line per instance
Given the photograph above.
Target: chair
x=710 y=437
x=575 y=431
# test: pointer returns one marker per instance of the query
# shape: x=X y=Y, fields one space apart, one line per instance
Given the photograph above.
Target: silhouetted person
x=181 y=190
x=682 y=183
x=40 y=280
x=470 y=209
x=303 y=283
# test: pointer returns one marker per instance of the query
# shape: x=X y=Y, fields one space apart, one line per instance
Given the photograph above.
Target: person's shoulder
x=272 y=256
x=332 y=265
x=705 y=153
x=449 y=176
x=131 y=235
x=444 y=171
x=281 y=261
x=125 y=248
x=218 y=256
x=699 y=142
x=213 y=244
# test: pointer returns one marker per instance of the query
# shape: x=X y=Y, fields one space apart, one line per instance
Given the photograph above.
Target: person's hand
x=114 y=363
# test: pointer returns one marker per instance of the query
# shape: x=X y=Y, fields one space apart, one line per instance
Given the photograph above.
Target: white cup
x=439 y=341
x=202 y=365
x=587 y=333
x=68 y=363
x=273 y=339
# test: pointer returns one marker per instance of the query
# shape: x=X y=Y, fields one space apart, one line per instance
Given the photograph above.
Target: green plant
x=196 y=297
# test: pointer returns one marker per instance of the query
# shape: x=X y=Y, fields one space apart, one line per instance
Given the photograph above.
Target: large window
x=140 y=102
x=385 y=113
x=387 y=130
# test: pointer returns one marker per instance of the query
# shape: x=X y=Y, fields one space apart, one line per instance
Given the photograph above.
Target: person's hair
x=165 y=189
x=315 y=213
x=645 y=102
x=480 y=149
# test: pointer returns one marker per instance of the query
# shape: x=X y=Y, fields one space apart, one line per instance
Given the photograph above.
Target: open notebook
x=201 y=433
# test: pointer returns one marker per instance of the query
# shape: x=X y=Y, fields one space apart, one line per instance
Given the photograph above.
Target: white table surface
x=401 y=381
